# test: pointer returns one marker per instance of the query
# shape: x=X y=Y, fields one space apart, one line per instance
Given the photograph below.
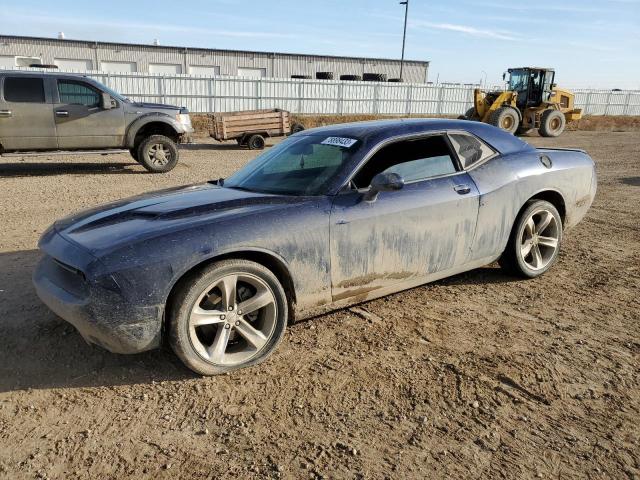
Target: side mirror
x=383 y=182
x=106 y=102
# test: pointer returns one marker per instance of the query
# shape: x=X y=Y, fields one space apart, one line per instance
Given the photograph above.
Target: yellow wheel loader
x=531 y=101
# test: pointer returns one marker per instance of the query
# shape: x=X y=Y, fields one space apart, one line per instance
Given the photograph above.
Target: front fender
x=140 y=122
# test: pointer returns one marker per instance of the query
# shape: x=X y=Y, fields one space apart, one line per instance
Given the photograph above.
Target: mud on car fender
x=168 y=121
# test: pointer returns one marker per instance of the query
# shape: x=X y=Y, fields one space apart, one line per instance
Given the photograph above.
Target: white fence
x=220 y=94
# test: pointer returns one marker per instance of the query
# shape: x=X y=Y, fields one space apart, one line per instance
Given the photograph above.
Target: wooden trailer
x=250 y=127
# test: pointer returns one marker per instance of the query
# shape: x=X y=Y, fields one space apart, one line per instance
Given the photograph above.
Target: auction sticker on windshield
x=339 y=141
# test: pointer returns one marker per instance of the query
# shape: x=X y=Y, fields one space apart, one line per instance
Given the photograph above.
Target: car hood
x=156 y=106
x=140 y=218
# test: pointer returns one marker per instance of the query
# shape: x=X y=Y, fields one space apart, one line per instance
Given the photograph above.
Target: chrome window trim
x=397 y=138
x=479 y=162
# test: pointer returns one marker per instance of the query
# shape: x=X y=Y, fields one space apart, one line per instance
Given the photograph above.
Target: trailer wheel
x=296 y=127
x=256 y=142
x=552 y=123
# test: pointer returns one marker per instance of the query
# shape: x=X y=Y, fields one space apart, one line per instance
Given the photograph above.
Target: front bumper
x=101 y=315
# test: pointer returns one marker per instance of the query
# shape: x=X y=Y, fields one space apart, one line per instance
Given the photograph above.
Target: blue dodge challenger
x=327 y=218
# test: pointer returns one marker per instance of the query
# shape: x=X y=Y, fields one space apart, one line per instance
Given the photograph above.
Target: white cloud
x=472 y=31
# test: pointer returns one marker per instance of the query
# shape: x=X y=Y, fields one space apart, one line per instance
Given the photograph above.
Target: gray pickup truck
x=66 y=113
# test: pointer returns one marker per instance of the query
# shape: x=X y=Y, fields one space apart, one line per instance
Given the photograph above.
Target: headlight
x=183 y=118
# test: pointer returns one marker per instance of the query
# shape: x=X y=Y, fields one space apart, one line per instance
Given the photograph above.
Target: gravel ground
x=478 y=376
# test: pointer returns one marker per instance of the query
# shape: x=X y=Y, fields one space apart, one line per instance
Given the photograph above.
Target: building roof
x=201 y=49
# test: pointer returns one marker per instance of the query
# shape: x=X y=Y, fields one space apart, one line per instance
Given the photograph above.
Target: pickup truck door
x=407 y=235
x=26 y=118
x=81 y=122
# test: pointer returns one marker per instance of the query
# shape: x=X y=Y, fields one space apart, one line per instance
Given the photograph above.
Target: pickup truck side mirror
x=383 y=182
x=106 y=103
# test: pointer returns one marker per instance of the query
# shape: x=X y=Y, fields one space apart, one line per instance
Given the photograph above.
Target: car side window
x=78 y=93
x=470 y=149
x=24 y=90
x=414 y=160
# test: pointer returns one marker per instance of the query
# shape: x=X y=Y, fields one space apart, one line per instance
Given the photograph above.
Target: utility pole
x=404 y=33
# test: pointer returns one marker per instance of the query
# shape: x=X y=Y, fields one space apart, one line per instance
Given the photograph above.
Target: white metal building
x=82 y=56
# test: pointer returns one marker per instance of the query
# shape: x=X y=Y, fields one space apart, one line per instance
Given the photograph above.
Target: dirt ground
x=478 y=376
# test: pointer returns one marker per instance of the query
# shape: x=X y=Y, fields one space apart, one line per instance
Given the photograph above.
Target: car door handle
x=62 y=113
x=6 y=113
x=462 y=189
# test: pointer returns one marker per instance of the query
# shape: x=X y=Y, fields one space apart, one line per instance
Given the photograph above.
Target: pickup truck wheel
x=535 y=240
x=256 y=142
x=230 y=315
x=158 y=154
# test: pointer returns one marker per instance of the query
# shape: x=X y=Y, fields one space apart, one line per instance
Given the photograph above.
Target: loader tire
x=374 y=77
x=552 y=123
x=505 y=118
x=470 y=114
x=351 y=78
x=324 y=75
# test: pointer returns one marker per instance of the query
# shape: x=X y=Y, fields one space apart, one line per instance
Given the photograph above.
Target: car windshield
x=300 y=165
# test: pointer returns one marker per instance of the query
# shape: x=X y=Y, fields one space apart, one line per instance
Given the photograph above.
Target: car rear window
x=24 y=90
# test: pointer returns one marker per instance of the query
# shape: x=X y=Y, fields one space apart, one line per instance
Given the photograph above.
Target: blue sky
x=590 y=43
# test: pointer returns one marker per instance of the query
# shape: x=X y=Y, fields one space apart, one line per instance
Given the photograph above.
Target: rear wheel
x=505 y=118
x=552 y=123
x=535 y=240
x=255 y=142
x=158 y=154
x=231 y=315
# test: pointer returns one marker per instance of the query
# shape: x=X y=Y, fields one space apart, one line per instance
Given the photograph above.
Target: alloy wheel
x=540 y=239
x=159 y=155
x=233 y=319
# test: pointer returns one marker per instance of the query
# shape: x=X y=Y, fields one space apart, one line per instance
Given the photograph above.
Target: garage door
x=118 y=67
x=7 y=62
x=165 y=68
x=252 y=72
x=70 y=65
x=205 y=70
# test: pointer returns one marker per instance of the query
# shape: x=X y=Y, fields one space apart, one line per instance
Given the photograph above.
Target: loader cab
x=533 y=85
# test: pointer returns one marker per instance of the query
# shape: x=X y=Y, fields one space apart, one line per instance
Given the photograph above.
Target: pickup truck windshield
x=301 y=165
x=114 y=94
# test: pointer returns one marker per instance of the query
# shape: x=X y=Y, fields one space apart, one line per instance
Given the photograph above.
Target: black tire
x=190 y=291
x=302 y=77
x=395 y=80
x=374 y=77
x=352 y=78
x=505 y=118
x=470 y=114
x=512 y=260
x=153 y=163
x=296 y=127
x=524 y=131
x=134 y=153
x=255 y=142
x=552 y=123
x=324 y=75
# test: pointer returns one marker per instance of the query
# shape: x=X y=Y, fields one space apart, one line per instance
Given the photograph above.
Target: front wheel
x=505 y=118
x=535 y=240
x=231 y=315
x=158 y=154
x=255 y=142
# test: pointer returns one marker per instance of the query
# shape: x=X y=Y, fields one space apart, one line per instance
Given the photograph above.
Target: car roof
x=30 y=73
x=376 y=131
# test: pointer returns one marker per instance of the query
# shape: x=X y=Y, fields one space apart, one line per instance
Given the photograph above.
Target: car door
x=405 y=235
x=26 y=117
x=81 y=120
